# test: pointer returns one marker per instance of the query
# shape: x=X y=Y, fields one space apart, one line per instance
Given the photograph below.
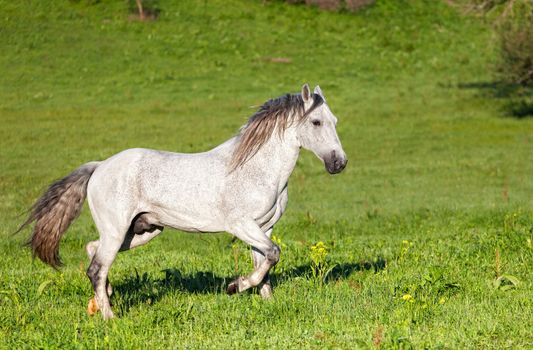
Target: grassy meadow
x=427 y=233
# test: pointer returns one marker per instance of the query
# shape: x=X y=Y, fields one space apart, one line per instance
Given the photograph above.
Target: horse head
x=317 y=131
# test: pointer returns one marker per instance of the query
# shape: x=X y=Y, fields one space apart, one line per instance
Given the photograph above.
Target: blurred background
x=433 y=97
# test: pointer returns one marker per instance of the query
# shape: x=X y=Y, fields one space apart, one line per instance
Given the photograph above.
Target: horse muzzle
x=335 y=164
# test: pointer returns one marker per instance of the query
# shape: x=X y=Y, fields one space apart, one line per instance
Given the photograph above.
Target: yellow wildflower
x=408 y=297
x=278 y=241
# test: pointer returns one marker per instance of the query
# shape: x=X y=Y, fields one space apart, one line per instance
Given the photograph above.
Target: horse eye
x=316 y=122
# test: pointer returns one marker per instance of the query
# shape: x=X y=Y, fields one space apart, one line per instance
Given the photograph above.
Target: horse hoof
x=92 y=308
x=266 y=293
x=108 y=315
x=233 y=287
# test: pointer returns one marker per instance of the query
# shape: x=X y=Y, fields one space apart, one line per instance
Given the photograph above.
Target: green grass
x=439 y=177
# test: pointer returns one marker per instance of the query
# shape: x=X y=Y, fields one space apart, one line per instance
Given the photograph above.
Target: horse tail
x=53 y=213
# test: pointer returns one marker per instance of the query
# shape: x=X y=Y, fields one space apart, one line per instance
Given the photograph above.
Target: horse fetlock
x=104 y=306
x=254 y=280
x=272 y=255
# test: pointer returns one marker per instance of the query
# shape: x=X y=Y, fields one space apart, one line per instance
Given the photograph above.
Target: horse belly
x=189 y=209
x=186 y=220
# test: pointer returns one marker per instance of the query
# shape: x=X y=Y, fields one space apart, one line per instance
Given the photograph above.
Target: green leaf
x=514 y=281
x=507 y=287
x=42 y=286
x=505 y=282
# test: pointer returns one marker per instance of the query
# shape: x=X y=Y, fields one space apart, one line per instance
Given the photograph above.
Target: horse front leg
x=264 y=288
x=249 y=232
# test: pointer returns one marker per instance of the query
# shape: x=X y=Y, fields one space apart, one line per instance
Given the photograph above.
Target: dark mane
x=278 y=113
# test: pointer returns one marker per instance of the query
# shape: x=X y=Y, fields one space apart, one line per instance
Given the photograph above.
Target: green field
x=434 y=206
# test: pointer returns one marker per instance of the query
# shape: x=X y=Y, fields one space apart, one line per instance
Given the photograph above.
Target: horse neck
x=277 y=158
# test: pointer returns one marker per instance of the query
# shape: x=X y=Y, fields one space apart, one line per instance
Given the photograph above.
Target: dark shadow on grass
x=339 y=272
x=498 y=89
x=144 y=289
x=519 y=98
x=521 y=108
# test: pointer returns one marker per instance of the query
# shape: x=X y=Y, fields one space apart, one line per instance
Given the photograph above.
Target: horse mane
x=278 y=113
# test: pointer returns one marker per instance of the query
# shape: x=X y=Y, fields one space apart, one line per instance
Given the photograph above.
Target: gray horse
x=239 y=187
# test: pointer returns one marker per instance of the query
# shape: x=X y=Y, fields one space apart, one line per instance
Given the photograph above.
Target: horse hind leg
x=142 y=229
x=112 y=234
x=98 y=271
x=102 y=253
x=91 y=248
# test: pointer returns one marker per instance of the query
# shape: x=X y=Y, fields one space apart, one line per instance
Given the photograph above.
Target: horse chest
x=273 y=214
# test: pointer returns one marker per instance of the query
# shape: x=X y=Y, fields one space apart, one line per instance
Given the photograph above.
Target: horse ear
x=318 y=91
x=306 y=93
